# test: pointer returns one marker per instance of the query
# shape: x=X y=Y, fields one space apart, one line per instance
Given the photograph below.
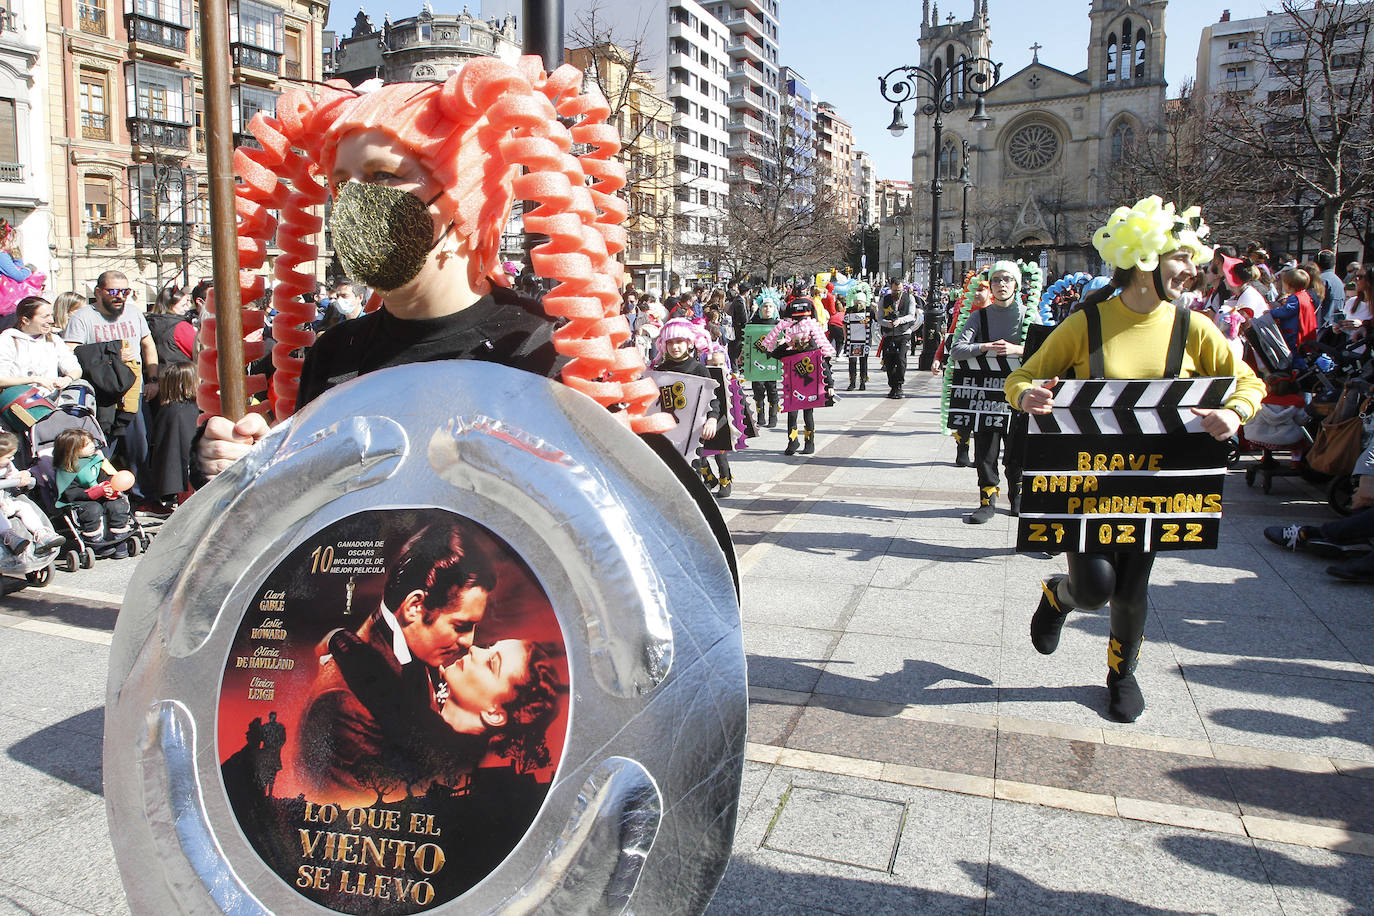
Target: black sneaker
x=1360 y=569
x=1290 y=537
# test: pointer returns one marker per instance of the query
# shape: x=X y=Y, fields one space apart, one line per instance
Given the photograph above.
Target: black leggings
x=808 y=417
x=860 y=363
x=1122 y=579
x=835 y=334
x=766 y=391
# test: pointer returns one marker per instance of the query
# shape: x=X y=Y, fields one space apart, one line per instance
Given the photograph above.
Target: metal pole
x=930 y=333
x=541 y=35
x=543 y=31
x=219 y=149
x=185 y=235
x=937 y=188
x=964 y=179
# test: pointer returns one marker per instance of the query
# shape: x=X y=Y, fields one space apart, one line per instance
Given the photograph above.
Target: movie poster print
x=393 y=709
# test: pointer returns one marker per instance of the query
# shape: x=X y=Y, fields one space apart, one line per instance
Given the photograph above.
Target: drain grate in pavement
x=837 y=827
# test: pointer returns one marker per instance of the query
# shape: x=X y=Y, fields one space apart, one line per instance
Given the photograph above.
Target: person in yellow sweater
x=1130 y=330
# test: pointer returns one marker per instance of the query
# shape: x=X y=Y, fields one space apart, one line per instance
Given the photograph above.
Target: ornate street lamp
x=967 y=182
x=937 y=95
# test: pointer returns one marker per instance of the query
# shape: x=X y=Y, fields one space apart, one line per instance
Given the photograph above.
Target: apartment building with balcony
x=644 y=118
x=835 y=148
x=798 y=132
x=682 y=49
x=425 y=46
x=126 y=113
x=756 y=83
x=698 y=87
x=25 y=191
x=1250 y=57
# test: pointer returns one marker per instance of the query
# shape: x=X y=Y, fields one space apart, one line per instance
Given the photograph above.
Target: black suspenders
x=1173 y=362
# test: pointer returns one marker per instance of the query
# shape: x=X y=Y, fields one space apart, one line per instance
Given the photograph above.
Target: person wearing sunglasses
x=112 y=319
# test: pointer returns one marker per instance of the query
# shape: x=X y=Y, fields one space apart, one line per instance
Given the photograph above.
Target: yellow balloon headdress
x=1137 y=236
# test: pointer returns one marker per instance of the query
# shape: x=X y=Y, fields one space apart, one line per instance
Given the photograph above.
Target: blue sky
x=842 y=48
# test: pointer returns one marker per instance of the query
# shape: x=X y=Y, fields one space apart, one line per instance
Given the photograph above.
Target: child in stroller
x=28 y=543
x=90 y=488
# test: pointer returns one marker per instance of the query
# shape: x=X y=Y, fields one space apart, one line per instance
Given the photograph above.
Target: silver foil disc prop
x=453 y=640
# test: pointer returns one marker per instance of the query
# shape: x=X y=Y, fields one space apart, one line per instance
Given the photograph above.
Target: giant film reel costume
x=645 y=610
x=599 y=553
x=973 y=365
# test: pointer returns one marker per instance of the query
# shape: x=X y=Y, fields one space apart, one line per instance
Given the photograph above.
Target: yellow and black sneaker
x=708 y=477
x=792 y=443
x=810 y=447
x=987 y=507
x=1049 y=616
x=724 y=490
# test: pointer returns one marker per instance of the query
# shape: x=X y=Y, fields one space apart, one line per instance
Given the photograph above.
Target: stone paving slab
x=889 y=663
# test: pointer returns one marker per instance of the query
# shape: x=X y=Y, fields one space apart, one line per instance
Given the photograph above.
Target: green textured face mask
x=381 y=234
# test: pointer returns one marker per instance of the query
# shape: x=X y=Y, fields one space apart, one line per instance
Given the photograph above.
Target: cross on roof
x=1035 y=49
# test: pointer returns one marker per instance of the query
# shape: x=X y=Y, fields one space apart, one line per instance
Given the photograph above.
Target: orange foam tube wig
x=476 y=133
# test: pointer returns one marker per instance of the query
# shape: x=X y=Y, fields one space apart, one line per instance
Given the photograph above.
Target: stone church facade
x=1040 y=169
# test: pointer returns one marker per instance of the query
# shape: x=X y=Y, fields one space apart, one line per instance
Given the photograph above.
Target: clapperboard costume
x=978 y=374
x=735 y=424
x=686 y=389
x=1138 y=445
x=860 y=324
x=760 y=369
x=1157 y=488
x=799 y=342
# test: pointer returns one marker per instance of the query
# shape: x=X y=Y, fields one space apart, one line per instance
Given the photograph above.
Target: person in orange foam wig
x=422 y=178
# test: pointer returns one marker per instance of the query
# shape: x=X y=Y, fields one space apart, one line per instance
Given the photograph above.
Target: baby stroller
x=82 y=548
x=34 y=563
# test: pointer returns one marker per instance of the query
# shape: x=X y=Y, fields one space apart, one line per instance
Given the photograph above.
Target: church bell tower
x=1126 y=44
x=951 y=39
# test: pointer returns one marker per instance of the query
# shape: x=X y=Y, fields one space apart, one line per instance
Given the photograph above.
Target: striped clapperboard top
x=976 y=399
x=1123 y=464
x=995 y=365
x=1131 y=406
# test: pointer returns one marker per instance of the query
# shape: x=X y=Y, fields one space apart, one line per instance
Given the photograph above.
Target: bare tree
x=782 y=217
x=1313 y=130
x=1184 y=159
x=990 y=218
x=375 y=776
x=615 y=59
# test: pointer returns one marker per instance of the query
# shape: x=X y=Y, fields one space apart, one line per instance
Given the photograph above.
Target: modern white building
x=683 y=48
x=756 y=84
x=25 y=192
x=1272 y=67
x=1245 y=55
x=799 y=113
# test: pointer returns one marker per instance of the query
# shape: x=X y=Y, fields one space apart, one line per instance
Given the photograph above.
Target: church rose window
x=1033 y=147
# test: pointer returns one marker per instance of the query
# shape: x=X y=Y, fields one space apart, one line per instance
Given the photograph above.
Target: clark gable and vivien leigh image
x=407 y=733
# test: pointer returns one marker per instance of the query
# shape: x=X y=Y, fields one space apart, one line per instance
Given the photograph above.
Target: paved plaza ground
x=909 y=752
